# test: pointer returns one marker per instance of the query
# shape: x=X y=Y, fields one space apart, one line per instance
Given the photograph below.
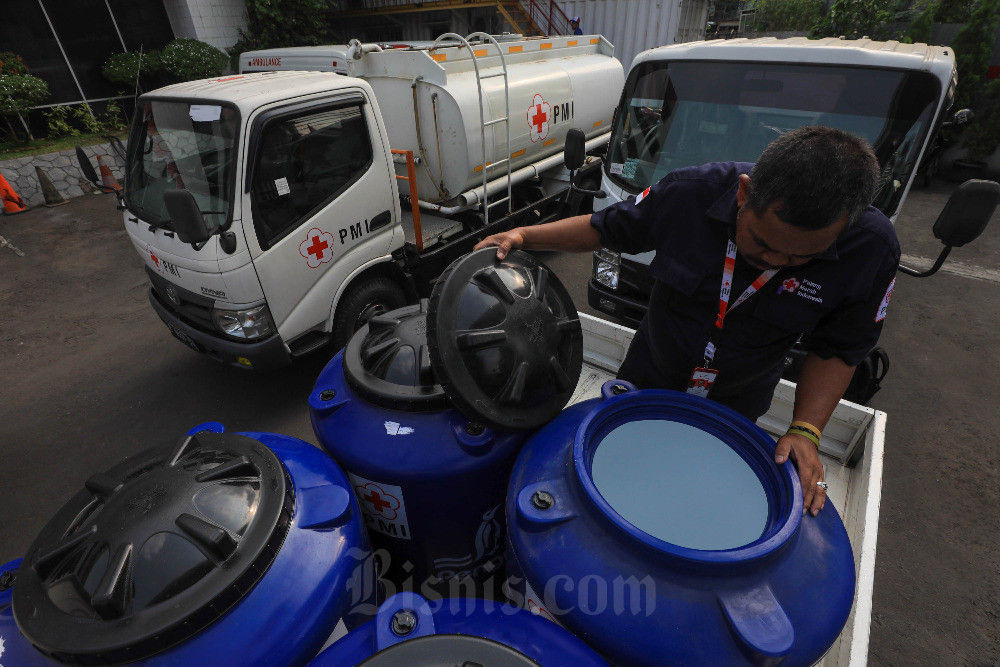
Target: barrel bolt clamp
x=543 y=500
x=404 y=622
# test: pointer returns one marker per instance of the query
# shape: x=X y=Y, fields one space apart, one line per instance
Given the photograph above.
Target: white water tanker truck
x=278 y=211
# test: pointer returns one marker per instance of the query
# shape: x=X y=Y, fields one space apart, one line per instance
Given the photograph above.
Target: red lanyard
x=727 y=282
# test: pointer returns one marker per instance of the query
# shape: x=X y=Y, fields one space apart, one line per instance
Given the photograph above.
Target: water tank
x=656 y=526
x=553 y=84
x=224 y=549
x=427 y=407
x=410 y=630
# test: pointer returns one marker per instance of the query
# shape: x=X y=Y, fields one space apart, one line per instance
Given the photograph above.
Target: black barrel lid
x=448 y=651
x=387 y=362
x=153 y=550
x=505 y=339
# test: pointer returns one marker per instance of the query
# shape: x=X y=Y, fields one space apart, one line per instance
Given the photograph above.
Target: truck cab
x=722 y=100
x=292 y=172
x=278 y=211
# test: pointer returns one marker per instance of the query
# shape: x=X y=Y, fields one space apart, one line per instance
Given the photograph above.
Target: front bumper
x=263 y=355
x=628 y=310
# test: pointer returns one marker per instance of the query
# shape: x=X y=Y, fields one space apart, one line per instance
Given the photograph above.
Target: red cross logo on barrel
x=317 y=248
x=538 y=118
x=376 y=501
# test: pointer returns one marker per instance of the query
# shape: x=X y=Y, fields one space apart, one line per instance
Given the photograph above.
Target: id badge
x=701 y=381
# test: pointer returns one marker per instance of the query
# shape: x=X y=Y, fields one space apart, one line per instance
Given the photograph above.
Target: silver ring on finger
x=823 y=485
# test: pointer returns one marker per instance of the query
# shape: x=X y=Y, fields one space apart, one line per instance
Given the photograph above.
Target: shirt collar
x=724 y=211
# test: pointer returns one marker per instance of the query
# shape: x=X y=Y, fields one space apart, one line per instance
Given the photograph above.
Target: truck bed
x=851 y=451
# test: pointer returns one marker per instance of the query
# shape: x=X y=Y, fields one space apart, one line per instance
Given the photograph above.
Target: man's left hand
x=806 y=458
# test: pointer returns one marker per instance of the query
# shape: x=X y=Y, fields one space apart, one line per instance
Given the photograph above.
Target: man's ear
x=743 y=193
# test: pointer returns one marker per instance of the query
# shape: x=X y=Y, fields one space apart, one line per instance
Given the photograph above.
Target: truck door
x=321 y=203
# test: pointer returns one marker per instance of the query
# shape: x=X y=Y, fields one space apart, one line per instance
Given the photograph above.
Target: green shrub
x=58 y=123
x=125 y=67
x=11 y=63
x=84 y=118
x=113 y=117
x=189 y=59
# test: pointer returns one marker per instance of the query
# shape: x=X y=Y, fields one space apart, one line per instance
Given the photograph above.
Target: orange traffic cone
x=107 y=178
x=12 y=203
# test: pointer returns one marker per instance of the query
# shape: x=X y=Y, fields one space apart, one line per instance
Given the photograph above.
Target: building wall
x=633 y=26
x=216 y=22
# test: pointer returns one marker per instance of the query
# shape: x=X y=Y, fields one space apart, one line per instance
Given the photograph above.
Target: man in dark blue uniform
x=748 y=258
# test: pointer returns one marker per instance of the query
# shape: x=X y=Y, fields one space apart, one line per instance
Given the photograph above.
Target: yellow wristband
x=809 y=427
x=805 y=433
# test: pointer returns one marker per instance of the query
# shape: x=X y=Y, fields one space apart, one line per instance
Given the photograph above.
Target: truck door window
x=305 y=160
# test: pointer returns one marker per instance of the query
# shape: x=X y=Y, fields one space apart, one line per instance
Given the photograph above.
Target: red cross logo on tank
x=317 y=248
x=539 y=117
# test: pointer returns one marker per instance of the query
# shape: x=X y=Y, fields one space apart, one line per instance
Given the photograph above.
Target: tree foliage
x=953 y=11
x=973 y=46
x=854 y=19
x=920 y=29
x=780 y=15
x=275 y=23
x=20 y=92
x=11 y=63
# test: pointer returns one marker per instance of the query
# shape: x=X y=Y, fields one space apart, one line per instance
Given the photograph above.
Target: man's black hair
x=817 y=174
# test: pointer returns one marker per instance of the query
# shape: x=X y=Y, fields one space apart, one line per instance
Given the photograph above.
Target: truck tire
x=360 y=302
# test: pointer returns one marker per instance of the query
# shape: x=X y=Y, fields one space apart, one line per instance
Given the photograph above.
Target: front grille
x=194 y=309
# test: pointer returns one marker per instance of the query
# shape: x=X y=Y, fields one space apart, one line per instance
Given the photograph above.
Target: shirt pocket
x=679 y=276
x=788 y=313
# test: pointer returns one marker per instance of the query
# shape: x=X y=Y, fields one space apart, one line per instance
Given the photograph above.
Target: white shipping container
x=634 y=26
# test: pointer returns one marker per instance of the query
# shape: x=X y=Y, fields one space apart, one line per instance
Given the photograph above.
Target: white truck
x=266 y=206
x=688 y=104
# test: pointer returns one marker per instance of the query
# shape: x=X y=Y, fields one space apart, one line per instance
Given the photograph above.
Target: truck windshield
x=181 y=145
x=681 y=114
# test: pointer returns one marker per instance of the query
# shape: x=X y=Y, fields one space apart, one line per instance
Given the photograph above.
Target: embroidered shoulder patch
x=642 y=195
x=880 y=315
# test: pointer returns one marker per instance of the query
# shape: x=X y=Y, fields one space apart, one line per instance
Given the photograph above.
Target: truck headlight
x=251 y=323
x=607 y=265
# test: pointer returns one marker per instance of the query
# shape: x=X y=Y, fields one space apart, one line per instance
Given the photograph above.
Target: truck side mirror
x=186 y=217
x=86 y=167
x=962 y=219
x=967 y=212
x=576 y=149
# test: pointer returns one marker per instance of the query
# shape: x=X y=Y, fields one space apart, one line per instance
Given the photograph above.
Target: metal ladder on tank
x=483 y=123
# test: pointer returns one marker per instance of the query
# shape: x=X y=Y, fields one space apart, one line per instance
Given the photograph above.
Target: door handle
x=380 y=220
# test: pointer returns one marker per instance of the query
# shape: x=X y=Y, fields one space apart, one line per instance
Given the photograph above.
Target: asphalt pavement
x=89 y=375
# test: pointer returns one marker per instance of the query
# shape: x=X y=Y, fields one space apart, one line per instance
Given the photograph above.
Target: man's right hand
x=504 y=242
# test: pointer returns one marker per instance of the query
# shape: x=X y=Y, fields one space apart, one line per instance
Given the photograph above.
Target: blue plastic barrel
x=409 y=630
x=431 y=482
x=240 y=549
x=771 y=587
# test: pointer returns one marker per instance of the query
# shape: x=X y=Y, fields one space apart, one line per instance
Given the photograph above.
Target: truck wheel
x=360 y=302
